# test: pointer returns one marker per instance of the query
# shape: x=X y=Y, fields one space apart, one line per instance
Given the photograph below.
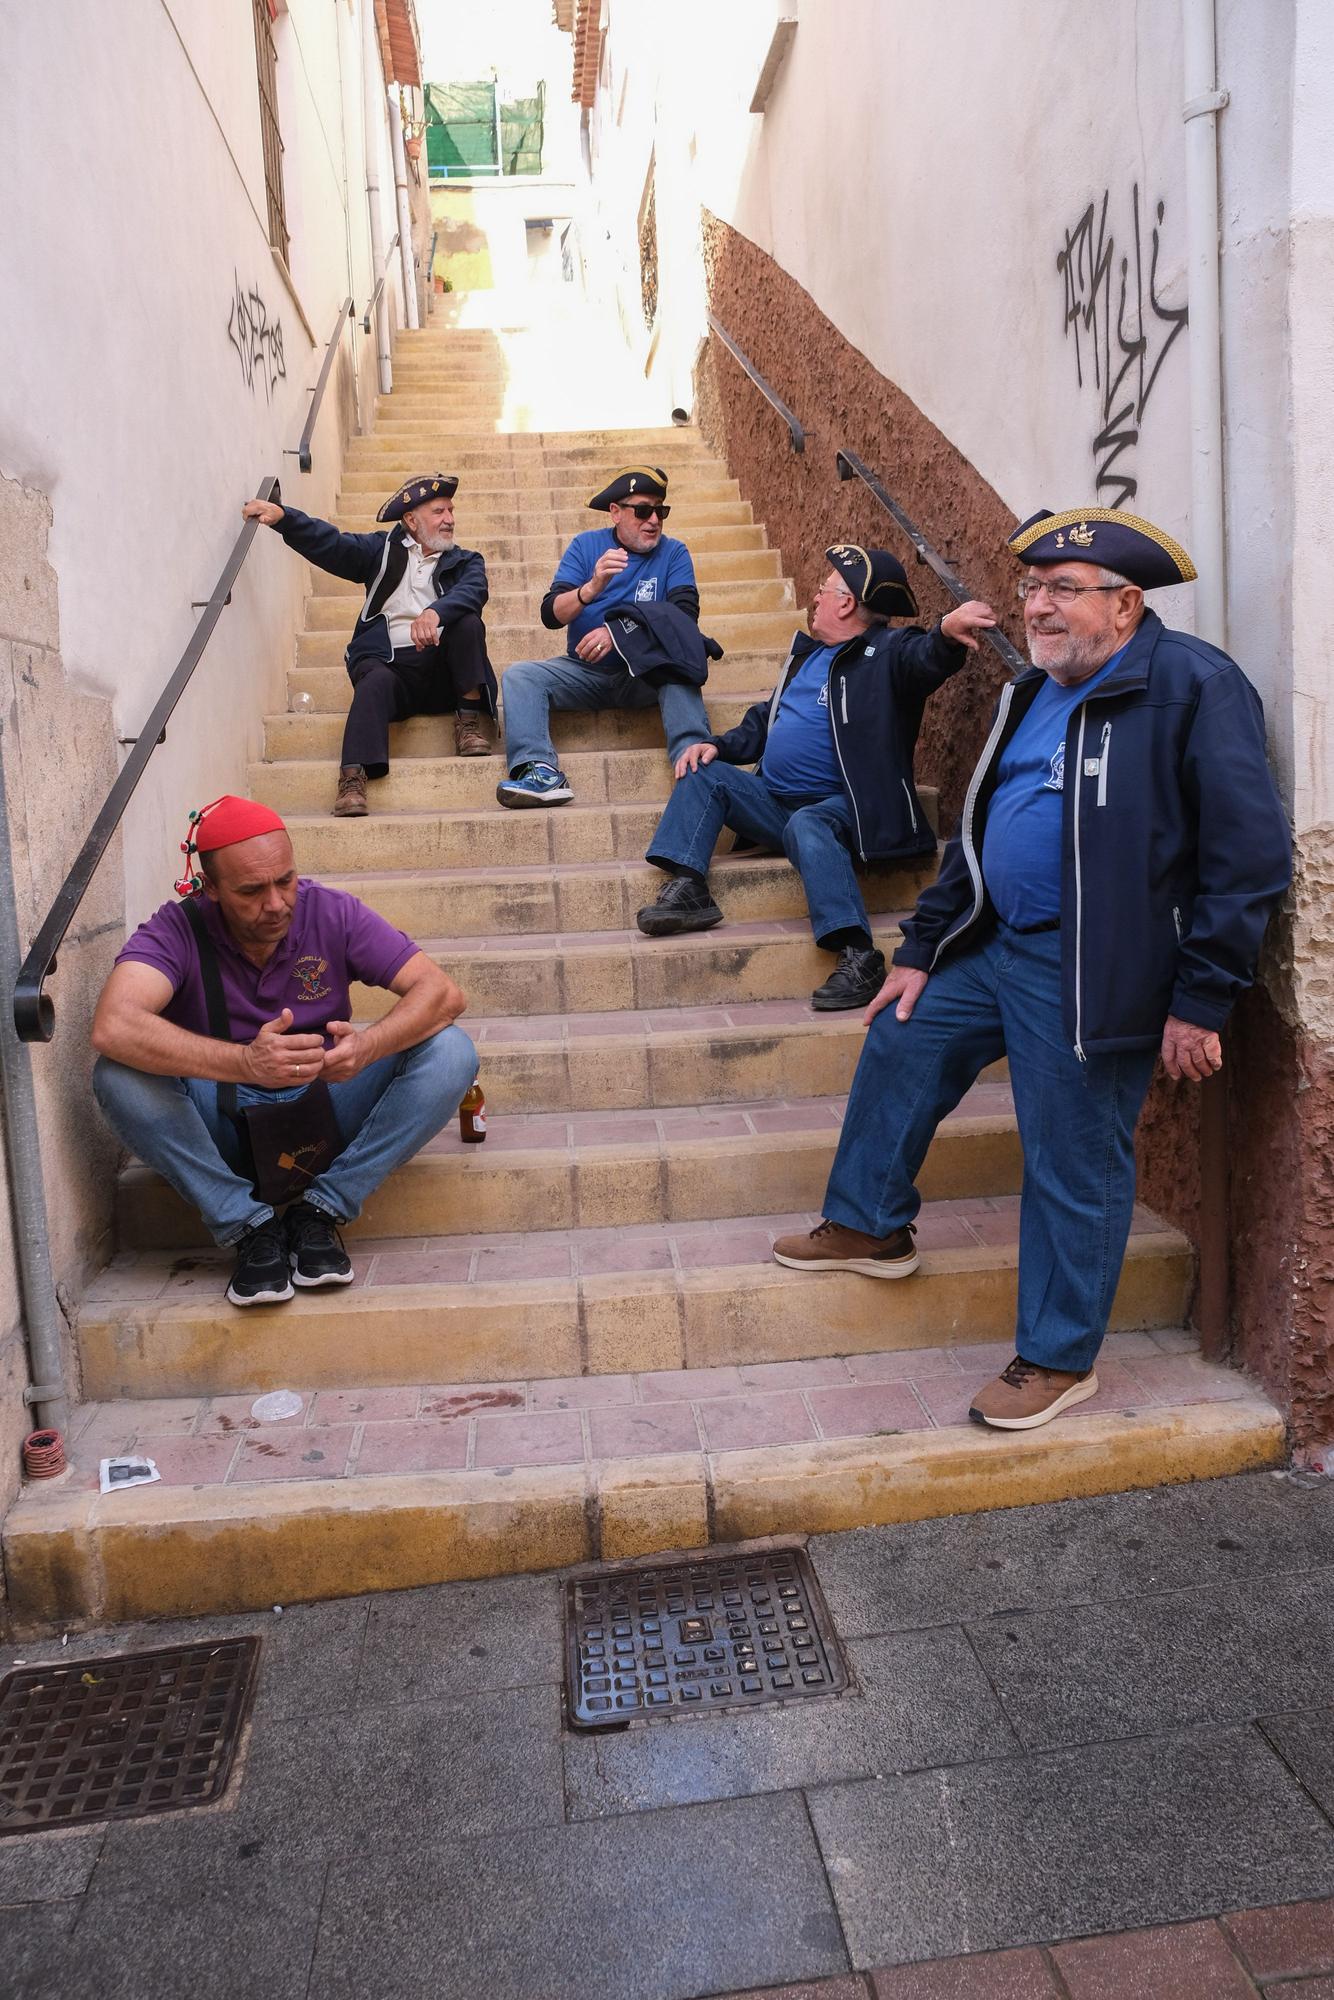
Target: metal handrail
x=34 y=1013
x=430 y=274
x=788 y=416
x=852 y=467
x=384 y=273
x=302 y=452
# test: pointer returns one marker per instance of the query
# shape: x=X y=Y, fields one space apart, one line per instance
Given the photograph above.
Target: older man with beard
x=419 y=645
x=1121 y=848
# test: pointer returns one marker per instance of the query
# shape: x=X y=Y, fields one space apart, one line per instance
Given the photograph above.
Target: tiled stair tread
x=724 y=863
x=975 y=1223
x=364 y=1432
x=749 y=1017
x=540 y=944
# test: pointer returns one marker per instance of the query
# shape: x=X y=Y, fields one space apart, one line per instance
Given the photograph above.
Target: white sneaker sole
x=260 y=1298
x=1079 y=1392
x=865 y=1267
x=315 y=1284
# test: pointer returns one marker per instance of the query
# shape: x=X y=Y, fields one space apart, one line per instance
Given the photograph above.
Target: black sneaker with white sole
x=315 y=1249
x=261 y=1277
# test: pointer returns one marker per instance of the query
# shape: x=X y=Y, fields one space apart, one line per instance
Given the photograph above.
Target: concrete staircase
x=572 y=1341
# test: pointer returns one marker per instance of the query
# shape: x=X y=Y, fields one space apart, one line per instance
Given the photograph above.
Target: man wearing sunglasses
x=1122 y=845
x=630 y=567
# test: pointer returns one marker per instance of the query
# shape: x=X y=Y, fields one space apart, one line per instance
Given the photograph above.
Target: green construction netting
x=469 y=133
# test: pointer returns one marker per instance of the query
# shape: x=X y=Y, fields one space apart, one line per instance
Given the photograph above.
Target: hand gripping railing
x=851 y=467
x=346 y=312
x=375 y=295
x=798 y=435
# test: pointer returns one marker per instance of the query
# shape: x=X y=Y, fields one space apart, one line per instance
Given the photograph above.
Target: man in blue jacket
x=1121 y=848
x=419 y=645
x=833 y=756
x=631 y=566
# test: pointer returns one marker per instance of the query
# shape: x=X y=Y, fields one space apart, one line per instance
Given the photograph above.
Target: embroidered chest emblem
x=646 y=590
x=308 y=972
x=1055 y=779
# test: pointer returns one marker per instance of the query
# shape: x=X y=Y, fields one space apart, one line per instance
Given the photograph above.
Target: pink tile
x=467 y=1399
x=317 y=1453
x=605 y=1132
x=581 y=1392
x=163 y=1417
x=1125 y=1346
x=766 y=1013
x=722 y=1247
x=813 y=1374
x=351 y=1406
x=673 y=1385
x=195 y=1461
x=706 y=1123
x=956 y=1232
x=549 y=1437
x=425 y=1446
x=587 y=1027
x=685 y=1020
x=797 y=1118
x=906 y=1363
x=531 y=1260
x=947 y=1401
x=1175 y=1340
x=504 y=1137
x=447 y=1265
x=232 y=1413
x=643 y=1429
x=625 y=1253
x=197 y=1277
x=126 y=1281
x=1179 y=1378
x=739 y=1423
x=868 y=1410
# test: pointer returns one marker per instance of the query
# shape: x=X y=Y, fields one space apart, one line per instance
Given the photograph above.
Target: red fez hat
x=222 y=824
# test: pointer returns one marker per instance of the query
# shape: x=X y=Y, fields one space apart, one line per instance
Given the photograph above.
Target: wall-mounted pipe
x=404 y=210
x=372 y=79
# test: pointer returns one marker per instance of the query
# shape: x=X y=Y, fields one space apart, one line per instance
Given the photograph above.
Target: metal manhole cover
x=114 y=1739
x=690 y=1638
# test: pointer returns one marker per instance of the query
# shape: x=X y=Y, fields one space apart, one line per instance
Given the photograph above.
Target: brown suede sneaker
x=351 y=800
x=472 y=735
x=1025 y=1396
x=831 y=1247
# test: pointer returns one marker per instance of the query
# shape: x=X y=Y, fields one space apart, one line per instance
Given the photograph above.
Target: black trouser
x=427 y=683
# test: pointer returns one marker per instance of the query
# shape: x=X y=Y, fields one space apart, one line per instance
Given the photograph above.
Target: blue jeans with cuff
x=816 y=838
x=387 y=1112
x=1076 y=1126
x=530 y=689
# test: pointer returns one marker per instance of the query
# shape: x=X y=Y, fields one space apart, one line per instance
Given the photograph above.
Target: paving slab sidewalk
x=1087 y=1753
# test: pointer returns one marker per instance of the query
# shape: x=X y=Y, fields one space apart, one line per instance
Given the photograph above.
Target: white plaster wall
x=122 y=397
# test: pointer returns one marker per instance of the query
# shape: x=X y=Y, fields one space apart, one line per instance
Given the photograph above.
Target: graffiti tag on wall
x=1122 y=332
x=257 y=339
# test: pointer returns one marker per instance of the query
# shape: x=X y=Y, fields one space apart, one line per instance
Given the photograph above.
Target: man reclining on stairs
x=630 y=566
x=833 y=755
x=279 y=956
x=1121 y=849
x=419 y=645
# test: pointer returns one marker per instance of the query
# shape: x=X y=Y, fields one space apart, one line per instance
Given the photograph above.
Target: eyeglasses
x=827 y=590
x=644 y=510
x=1060 y=593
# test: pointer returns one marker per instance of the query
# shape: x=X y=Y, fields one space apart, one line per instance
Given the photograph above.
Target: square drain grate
x=114 y=1739
x=690 y=1638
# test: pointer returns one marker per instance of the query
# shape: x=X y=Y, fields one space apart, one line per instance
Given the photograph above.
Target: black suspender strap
x=219 y=1024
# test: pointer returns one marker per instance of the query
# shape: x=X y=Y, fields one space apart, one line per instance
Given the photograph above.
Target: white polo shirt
x=415 y=592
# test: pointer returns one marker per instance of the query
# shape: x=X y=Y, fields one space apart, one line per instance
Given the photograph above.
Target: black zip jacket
x=378 y=561
x=661 y=642
x=1175 y=845
x=878 y=688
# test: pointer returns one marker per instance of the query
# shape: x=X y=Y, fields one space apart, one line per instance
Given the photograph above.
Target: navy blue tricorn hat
x=637 y=482
x=416 y=493
x=1132 y=547
x=876 y=579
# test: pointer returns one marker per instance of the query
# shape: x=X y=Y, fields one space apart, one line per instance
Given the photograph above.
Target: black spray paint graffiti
x=257 y=339
x=1123 y=348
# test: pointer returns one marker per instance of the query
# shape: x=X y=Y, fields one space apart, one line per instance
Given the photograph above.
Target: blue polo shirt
x=1021 y=849
x=799 y=758
x=646 y=579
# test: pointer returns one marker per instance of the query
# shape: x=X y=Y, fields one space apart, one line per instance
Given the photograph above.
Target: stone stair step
x=726 y=566
x=619 y=1170
x=569 y=1303
x=543 y=484
x=752 y=660
x=515 y=606
x=515 y=515
x=318 y=731
x=368 y=1493
x=588 y=896
x=543 y=549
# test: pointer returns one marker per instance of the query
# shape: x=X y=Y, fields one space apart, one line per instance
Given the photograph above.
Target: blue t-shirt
x=1021 y=851
x=646 y=579
x=799 y=758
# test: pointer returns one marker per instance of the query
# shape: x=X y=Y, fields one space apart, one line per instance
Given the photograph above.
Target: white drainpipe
x=373 y=102
x=404 y=210
x=1203 y=103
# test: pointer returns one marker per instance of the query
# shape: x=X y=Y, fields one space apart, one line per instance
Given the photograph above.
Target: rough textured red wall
x=842 y=401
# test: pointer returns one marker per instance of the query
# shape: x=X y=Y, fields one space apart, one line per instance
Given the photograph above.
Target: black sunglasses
x=644 y=510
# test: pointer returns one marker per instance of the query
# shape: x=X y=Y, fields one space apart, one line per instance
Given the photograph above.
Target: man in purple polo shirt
x=287 y=952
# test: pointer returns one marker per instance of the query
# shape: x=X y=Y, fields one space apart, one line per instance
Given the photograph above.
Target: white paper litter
x=131 y=1471
x=279 y=1403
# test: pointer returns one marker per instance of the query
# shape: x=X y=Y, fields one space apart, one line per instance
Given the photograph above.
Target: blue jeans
x=387 y=1113
x=533 y=687
x=815 y=838
x=1076 y=1126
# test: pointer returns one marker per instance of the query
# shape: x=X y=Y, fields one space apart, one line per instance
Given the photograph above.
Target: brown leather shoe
x=1025 y=1396
x=472 y=735
x=831 y=1247
x=351 y=800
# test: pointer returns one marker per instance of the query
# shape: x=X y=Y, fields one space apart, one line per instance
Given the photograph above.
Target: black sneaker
x=854 y=981
x=315 y=1249
x=261 y=1277
x=683 y=905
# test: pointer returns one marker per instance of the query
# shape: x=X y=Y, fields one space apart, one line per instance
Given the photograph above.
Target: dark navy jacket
x=1175 y=845
x=378 y=561
x=878 y=687
x=662 y=642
